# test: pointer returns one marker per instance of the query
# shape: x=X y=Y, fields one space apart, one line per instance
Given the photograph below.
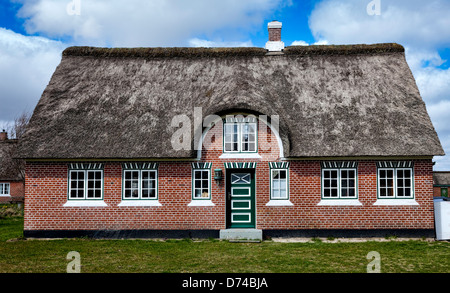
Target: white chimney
x=274 y=44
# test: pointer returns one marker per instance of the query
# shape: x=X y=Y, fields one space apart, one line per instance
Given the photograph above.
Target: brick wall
x=47 y=188
x=17 y=192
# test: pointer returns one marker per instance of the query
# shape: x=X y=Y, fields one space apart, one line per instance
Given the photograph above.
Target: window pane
x=351 y=193
x=334 y=192
x=131 y=184
x=390 y=182
x=407 y=191
x=275 y=174
x=333 y=182
x=407 y=183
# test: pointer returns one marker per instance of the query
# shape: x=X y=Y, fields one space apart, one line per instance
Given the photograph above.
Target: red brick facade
x=47 y=192
x=16 y=193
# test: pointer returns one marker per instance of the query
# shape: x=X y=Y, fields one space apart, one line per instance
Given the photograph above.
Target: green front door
x=241 y=198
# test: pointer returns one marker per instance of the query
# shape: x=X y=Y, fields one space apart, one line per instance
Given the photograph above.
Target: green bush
x=11 y=210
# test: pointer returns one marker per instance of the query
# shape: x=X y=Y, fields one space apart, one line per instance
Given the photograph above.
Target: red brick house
x=209 y=142
x=441 y=183
x=12 y=178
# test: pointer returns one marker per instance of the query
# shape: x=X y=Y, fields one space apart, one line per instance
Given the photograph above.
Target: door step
x=238 y=235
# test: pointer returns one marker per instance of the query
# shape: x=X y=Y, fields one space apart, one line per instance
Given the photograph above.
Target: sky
x=33 y=34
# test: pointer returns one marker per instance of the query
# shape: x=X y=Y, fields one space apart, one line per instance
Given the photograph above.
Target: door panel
x=241 y=198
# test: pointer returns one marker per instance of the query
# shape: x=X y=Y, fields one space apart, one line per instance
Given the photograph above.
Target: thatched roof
x=10 y=169
x=441 y=178
x=333 y=101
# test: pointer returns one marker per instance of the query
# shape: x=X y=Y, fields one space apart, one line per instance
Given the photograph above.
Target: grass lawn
x=18 y=255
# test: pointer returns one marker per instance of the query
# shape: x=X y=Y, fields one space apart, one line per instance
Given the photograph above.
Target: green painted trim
x=252 y=211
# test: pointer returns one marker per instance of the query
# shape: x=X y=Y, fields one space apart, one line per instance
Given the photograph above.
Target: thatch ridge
x=188 y=52
x=161 y=52
x=344 y=49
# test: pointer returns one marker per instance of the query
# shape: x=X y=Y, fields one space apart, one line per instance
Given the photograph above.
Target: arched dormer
x=241 y=134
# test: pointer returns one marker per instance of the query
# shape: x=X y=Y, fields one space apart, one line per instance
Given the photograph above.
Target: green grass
x=18 y=255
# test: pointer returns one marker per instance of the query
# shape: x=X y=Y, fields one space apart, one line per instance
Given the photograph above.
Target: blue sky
x=33 y=33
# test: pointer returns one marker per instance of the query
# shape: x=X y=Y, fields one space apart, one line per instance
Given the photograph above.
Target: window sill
x=339 y=202
x=395 y=202
x=279 y=202
x=240 y=156
x=5 y=195
x=139 y=203
x=201 y=203
x=85 y=203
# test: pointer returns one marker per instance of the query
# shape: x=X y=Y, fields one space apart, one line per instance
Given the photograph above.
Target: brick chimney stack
x=274 y=44
x=3 y=135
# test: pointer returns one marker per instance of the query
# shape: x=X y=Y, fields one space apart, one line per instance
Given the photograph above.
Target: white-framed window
x=140 y=184
x=279 y=184
x=240 y=137
x=5 y=189
x=395 y=183
x=85 y=184
x=339 y=183
x=201 y=184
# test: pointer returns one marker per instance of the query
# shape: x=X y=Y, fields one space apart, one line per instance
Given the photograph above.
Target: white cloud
x=416 y=23
x=422 y=27
x=303 y=43
x=26 y=65
x=143 y=22
x=196 y=42
x=299 y=43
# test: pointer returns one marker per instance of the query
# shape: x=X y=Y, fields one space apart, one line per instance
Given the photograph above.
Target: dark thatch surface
x=441 y=178
x=10 y=169
x=333 y=101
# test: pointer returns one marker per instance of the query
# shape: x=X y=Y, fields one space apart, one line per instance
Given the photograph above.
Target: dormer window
x=240 y=135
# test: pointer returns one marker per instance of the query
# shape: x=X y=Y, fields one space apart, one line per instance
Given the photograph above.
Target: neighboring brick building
x=191 y=142
x=12 y=171
x=441 y=183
